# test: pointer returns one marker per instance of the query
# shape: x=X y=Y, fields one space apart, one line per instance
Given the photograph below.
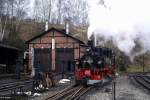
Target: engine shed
x=8 y=56
x=54 y=50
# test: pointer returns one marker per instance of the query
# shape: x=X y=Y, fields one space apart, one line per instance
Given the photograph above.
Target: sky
x=30 y=13
x=123 y=22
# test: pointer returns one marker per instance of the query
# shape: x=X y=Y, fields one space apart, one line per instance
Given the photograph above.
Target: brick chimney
x=67 y=26
x=46 y=25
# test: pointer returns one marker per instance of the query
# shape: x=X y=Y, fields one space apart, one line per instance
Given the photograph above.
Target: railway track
x=12 y=86
x=70 y=93
x=143 y=80
x=15 y=80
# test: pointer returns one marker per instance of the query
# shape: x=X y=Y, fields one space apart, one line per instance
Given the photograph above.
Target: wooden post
x=53 y=60
x=114 y=90
x=53 y=54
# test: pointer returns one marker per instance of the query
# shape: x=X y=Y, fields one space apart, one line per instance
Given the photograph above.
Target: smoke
x=125 y=22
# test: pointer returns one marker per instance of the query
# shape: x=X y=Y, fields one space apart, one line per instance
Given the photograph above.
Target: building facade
x=54 y=50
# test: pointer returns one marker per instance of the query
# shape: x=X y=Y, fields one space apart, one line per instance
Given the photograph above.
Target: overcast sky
x=123 y=21
x=30 y=12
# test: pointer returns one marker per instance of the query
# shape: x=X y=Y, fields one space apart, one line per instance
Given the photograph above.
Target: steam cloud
x=125 y=22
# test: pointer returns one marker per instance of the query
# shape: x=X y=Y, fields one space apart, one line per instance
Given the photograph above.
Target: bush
x=122 y=68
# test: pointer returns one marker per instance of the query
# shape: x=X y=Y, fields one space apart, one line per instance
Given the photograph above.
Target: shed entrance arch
x=64 y=59
x=42 y=59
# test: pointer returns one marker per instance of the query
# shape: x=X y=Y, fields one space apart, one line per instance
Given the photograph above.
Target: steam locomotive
x=94 y=66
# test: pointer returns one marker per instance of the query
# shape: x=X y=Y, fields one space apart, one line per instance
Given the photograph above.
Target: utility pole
x=114 y=87
x=114 y=90
x=143 y=64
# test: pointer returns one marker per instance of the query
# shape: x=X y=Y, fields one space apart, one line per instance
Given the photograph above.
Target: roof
x=8 y=47
x=84 y=45
x=58 y=30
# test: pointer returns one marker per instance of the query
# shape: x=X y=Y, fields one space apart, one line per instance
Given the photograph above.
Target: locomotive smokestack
x=90 y=43
x=95 y=40
x=46 y=25
x=92 y=40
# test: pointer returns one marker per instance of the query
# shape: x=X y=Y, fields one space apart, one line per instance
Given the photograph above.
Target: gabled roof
x=8 y=47
x=58 y=30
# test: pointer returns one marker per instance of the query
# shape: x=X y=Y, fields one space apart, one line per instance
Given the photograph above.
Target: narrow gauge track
x=14 y=85
x=15 y=81
x=148 y=77
x=143 y=81
x=71 y=93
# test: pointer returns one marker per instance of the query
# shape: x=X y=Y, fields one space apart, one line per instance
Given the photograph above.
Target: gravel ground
x=52 y=90
x=99 y=93
x=125 y=90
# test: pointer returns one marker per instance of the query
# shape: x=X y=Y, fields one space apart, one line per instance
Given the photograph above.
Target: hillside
x=29 y=29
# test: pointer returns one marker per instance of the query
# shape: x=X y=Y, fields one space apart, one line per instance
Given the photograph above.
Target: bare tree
x=20 y=11
x=43 y=10
x=11 y=14
x=59 y=5
x=56 y=11
x=3 y=17
x=75 y=10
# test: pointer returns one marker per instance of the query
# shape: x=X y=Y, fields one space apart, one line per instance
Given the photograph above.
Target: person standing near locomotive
x=49 y=80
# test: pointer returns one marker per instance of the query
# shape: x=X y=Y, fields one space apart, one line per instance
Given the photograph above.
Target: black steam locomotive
x=95 y=65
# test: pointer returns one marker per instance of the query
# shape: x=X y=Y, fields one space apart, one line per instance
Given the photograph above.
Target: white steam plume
x=123 y=22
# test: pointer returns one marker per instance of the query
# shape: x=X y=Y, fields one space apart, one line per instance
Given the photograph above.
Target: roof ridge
x=53 y=28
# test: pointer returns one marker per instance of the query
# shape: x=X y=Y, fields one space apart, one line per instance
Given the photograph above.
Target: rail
x=70 y=93
x=143 y=81
x=14 y=85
